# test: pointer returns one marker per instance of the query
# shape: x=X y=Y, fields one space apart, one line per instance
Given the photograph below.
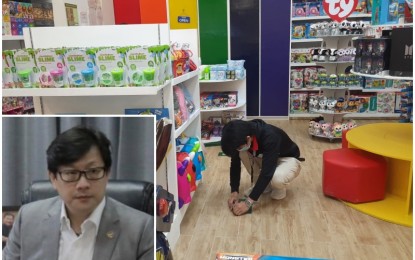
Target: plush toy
x=344 y=27
x=315 y=53
x=322 y=103
x=337 y=130
x=339 y=105
x=325 y=129
x=345 y=126
x=317 y=128
x=190 y=170
x=334 y=28
x=183 y=184
x=331 y=103
x=323 y=55
x=351 y=124
x=332 y=53
x=311 y=127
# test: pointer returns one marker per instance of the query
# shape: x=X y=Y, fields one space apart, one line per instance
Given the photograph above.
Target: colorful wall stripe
x=275 y=57
x=213 y=15
x=183 y=14
x=244 y=31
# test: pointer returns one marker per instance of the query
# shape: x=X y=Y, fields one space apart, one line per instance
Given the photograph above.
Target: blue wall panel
x=275 y=57
x=244 y=31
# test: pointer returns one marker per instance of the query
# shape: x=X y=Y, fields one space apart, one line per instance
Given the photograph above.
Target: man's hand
x=240 y=208
x=232 y=199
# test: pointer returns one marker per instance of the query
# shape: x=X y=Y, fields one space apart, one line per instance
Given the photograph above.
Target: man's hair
x=71 y=145
x=234 y=135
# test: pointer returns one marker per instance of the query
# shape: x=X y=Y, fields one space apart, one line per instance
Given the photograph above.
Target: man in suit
x=81 y=223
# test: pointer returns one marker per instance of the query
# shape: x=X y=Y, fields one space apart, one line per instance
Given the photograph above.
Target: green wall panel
x=213 y=30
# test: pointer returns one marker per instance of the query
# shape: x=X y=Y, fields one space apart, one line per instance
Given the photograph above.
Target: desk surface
x=393 y=140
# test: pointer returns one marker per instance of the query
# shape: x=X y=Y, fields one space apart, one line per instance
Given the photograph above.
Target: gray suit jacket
x=123 y=234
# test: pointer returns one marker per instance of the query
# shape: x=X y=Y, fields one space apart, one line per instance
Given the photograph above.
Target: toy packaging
x=52 y=69
x=8 y=69
x=112 y=71
x=297 y=78
x=392 y=11
x=385 y=102
x=228 y=116
x=21 y=15
x=298 y=103
x=82 y=71
x=301 y=55
x=6 y=26
x=26 y=75
x=361 y=7
x=298 y=31
x=138 y=60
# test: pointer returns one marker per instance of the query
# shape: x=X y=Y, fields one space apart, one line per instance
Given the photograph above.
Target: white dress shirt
x=73 y=247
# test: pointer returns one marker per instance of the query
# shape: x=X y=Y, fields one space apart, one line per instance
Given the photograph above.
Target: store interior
x=333 y=76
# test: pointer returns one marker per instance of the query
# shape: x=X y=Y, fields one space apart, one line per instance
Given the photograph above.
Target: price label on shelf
x=339 y=10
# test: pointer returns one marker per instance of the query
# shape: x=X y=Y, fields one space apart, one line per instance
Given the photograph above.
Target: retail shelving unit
x=113 y=101
x=336 y=42
x=221 y=86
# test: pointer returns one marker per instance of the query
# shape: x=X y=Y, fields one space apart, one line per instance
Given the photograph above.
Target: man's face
x=83 y=196
x=8 y=220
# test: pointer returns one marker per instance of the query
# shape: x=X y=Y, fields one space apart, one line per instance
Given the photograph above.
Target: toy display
x=183 y=184
x=385 y=102
x=332 y=130
x=391 y=11
x=372 y=55
x=297 y=79
x=298 y=103
x=17 y=105
x=211 y=100
x=301 y=56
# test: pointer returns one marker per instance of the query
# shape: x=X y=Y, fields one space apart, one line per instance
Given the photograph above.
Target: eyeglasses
x=91 y=174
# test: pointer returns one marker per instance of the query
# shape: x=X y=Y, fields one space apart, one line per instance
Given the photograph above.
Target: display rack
x=221 y=86
x=331 y=116
x=114 y=101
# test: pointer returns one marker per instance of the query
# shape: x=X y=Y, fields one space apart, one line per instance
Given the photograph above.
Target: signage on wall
x=183 y=19
x=339 y=10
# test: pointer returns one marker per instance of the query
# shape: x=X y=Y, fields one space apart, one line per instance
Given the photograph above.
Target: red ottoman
x=354 y=175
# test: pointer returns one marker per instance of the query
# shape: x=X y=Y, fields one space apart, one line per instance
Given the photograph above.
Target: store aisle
x=304 y=224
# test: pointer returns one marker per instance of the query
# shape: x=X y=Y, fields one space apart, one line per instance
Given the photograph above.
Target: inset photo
x=78 y=187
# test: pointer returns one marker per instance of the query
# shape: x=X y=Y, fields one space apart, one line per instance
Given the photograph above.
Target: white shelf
x=340 y=36
x=219 y=81
x=213 y=139
x=185 y=77
x=240 y=104
x=318 y=89
x=382 y=90
x=101 y=91
x=334 y=62
x=12 y=38
x=183 y=127
x=350 y=115
x=306 y=40
x=325 y=17
x=329 y=112
x=303 y=64
x=384 y=75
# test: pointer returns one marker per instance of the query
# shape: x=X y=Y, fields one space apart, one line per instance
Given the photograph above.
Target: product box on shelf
x=298 y=103
x=8 y=69
x=298 y=31
x=299 y=9
x=372 y=55
x=53 y=72
x=112 y=71
x=27 y=72
x=6 y=26
x=385 y=102
x=82 y=71
x=301 y=56
x=137 y=61
x=361 y=7
x=391 y=11
x=401 y=54
x=21 y=15
x=297 y=79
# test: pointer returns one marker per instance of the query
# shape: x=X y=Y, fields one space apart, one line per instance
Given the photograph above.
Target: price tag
x=339 y=10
